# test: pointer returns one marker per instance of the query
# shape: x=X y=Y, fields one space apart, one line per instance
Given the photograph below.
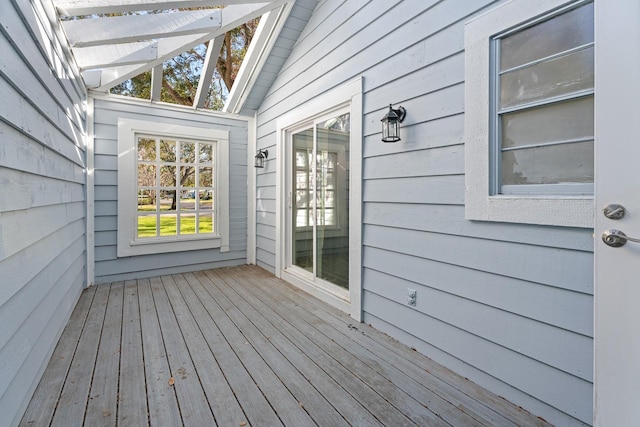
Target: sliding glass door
x=318 y=219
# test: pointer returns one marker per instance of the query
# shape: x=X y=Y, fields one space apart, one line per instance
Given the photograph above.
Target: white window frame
x=128 y=245
x=559 y=210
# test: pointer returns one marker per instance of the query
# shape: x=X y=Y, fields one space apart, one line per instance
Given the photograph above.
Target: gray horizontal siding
x=300 y=13
x=42 y=199
x=108 y=267
x=507 y=305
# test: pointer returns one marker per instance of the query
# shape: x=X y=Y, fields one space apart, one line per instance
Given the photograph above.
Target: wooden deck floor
x=238 y=347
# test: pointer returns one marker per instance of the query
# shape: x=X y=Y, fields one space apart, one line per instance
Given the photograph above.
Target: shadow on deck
x=238 y=347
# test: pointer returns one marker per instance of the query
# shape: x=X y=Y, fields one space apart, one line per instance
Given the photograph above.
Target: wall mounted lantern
x=391 y=124
x=260 y=158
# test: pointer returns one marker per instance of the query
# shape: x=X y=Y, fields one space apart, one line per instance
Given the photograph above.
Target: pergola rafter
x=133 y=28
x=85 y=7
x=112 y=49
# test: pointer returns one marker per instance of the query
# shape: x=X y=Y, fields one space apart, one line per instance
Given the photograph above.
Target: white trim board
x=90 y=194
x=479 y=204
x=127 y=203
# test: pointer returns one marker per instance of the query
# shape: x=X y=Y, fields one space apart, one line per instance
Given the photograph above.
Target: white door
x=617 y=269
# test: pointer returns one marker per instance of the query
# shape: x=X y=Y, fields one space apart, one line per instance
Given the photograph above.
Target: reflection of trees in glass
x=340 y=123
x=510 y=174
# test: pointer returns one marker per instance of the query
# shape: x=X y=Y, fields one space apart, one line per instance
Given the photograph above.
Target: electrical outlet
x=411 y=296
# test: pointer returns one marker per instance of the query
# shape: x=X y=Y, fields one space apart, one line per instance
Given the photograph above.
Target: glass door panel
x=332 y=185
x=302 y=200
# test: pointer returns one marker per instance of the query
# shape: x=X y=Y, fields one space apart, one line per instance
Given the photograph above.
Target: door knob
x=616 y=238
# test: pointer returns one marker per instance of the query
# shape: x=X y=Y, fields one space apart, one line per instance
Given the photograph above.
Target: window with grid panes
x=175 y=187
x=326 y=197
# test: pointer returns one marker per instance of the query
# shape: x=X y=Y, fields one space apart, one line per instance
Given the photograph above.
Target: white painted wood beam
x=133 y=28
x=265 y=37
x=115 y=74
x=91 y=78
x=209 y=66
x=168 y=48
x=156 y=82
x=84 y=7
x=115 y=55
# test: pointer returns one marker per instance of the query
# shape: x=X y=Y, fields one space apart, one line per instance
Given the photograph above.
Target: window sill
x=539 y=210
x=165 y=245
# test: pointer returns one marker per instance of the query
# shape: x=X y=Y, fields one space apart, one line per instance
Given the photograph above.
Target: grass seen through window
x=168 y=225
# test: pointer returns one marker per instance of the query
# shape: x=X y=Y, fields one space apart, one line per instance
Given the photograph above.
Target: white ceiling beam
x=113 y=74
x=91 y=78
x=85 y=7
x=156 y=82
x=209 y=66
x=133 y=28
x=263 y=40
x=168 y=48
x=115 y=55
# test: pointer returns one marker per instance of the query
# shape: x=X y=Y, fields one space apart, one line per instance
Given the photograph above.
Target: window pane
x=302 y=217
x=301 y=159
x=302 y=178
x=167 y=150
x=206 y=223
x=147 y=149
x=560 y=76
x=146 y=175
x=188 y=224
x=561 y=33
x=168 y=225
x=206 y=200
x=557 y=122
x=167 y=200
x=146 y=201
x=206 y=177
x=187 y=152
x=302 y=199
x=340 y=123
x=167 y=176
x=187 y=200
x=187 y=176
x=565 y=163
x=147 y=226
x=206 y=153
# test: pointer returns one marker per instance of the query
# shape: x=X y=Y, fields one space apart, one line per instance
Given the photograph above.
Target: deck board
x=45 y=399
x=219 y=395
x=132 y=402
x=286 y=406
x=461 y=392
x=193 y=402
x=388 y=403
x=255 y=405
x=103 y=400
x=161 y=397
x=252 y=323
x=73 y=399
x=243 y=348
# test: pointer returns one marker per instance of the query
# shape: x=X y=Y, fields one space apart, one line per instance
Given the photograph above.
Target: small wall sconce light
x=391 y=124
x=260 y=158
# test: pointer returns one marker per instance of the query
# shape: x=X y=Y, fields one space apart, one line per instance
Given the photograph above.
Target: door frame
x=616 y=270
x=348 y=94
